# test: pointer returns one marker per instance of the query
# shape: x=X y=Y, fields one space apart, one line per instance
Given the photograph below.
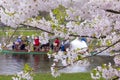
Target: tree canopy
x=87 y=18
x=97 y=20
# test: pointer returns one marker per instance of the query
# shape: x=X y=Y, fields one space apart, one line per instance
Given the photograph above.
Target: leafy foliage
x=60 y=14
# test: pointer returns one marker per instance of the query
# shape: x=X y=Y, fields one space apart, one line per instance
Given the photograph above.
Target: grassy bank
x=70 y=76
x=20 y=32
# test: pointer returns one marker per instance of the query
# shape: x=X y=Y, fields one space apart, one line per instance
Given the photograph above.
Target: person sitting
x=24 y=43
x=36 y=44
x=22 y=47
x=62 y=47
x=19 y=39
x=13 y=46
x=65 y=44
x=17 y=43
x=56 y=44
x=45 y=46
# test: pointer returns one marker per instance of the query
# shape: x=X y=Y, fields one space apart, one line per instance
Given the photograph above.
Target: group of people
x=21 y=43
x=60 y=45
x=27 y=43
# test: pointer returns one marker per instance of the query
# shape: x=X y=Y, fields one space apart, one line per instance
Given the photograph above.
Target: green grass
x=20 y=32
x=70 y=76
x=3 y=77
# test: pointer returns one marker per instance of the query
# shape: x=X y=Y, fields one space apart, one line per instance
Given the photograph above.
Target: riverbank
x=48 y=76
x=19 y=32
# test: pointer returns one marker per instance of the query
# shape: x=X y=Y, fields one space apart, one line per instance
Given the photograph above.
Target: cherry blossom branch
x=115 y=78
x=7 y=12
x=10 y=37
x=38 y=28
x=2 y=7
x=69 y=35
x=112 y=11
x=62 y=67
x=107 y=47
x=88 y=36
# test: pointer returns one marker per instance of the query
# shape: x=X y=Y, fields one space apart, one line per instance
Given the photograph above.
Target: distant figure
x=78 y=44
x=45 y=46
x=56 y=44
x=13 y=46
x=22 y=47
x=0 y=46
x=65 y=44
x=36 y=44
x=62 y=46
x=17 y=43
x=84 y=39
x=19 y=39
x=29 y=47
x=24 y=43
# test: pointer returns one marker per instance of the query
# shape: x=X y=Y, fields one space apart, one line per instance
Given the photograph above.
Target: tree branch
x=116 y=78
x=62 y=67
x=87 y=36
x=69 y=35
x=107 y=47
x=112 y=11
x=2 y=7
x=10 y=38
x=38 y=28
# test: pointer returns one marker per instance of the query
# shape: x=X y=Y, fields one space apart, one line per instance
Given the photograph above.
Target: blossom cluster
x=105 y=71
x=22 y=75
x=64 y=59
x=84 y=17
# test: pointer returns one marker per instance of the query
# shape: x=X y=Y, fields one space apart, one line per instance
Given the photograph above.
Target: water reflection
x=94 y=62
x=11 y=64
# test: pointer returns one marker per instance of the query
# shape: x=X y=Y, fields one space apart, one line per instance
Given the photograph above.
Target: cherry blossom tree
x=96 y=20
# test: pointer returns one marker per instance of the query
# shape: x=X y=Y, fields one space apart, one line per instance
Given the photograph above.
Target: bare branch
x=10 y=37
x=112 y=11
x=38 y=28
x=87 y=36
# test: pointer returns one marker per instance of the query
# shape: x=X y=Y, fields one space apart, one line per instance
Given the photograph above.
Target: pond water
x=11 y=64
